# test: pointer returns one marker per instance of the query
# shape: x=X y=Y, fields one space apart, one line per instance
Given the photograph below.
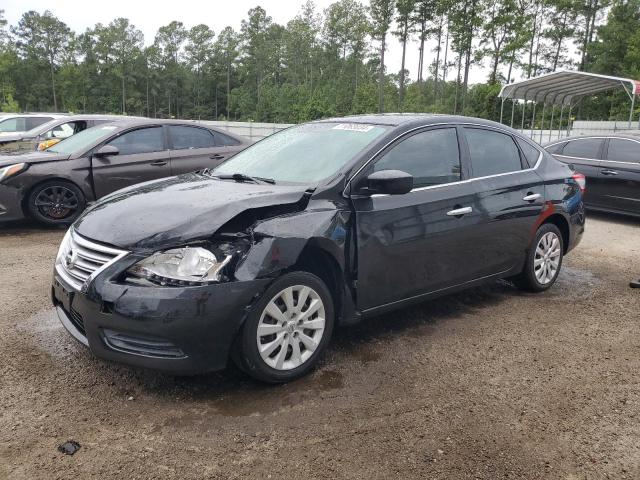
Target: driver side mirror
x=107 y=151
x=390 y=182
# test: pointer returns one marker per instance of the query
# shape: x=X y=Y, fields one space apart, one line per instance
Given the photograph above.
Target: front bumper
x=181 y=330
x=10 y=203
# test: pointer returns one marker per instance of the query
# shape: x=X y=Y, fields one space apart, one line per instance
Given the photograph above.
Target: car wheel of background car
x=543 y=260
x=287 y=329
x=56 y=202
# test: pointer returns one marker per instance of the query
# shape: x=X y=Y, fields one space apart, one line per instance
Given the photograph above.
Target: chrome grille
x=79 y=259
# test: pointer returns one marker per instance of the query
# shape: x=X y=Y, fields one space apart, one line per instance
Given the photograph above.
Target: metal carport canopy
x=563 y=86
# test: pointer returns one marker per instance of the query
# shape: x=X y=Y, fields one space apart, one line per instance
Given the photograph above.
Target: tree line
x=320 y=63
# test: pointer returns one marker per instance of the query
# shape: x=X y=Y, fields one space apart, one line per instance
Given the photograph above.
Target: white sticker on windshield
x=353 y=127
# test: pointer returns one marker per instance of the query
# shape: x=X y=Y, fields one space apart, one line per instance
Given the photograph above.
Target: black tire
x=65 y=203
x=246 y=354
x=527 y=280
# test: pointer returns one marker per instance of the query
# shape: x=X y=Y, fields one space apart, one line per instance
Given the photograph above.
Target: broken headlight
x=188 y=266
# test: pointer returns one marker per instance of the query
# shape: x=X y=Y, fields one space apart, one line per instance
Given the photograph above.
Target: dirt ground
x=488 y=384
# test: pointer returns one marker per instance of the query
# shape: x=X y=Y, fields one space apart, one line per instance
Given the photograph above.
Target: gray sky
x=149 y=15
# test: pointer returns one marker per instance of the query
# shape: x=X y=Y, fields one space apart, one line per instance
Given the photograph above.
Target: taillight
x=580 y=180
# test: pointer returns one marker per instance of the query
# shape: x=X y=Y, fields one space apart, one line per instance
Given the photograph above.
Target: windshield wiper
x=241 y=177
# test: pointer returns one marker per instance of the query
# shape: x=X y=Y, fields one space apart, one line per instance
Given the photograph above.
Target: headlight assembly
x=12 y=170
x=188 y=266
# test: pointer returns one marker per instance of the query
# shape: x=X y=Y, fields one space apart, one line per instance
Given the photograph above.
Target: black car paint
x=97 y=177
x=372 y=260
x=612 y=186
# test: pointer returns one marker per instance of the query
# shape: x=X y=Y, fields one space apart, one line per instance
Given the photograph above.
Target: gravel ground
x=489 y=384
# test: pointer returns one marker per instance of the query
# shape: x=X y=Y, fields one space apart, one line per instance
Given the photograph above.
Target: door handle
x=458 y=212
x=158 y=163
x=531 y=197
x=216 y=156
x=608 y=172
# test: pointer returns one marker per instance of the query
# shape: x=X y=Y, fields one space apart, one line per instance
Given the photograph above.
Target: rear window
x=621 y=150
x=583 y=148
x=492 y=152
x=531 y=153
x=554 y=149
x=184 y=137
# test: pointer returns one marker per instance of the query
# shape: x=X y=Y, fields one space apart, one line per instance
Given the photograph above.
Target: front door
x=620 y=175
x=422 y=241
x=194 y=148
x=142 y=156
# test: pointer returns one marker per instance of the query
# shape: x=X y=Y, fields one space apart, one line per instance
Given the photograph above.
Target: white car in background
x=12 y=123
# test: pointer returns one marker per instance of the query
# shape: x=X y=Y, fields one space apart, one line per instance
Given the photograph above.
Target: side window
x=531 y=153
x=143 y=140
x=33 y=122
x=432 y=157
x=184 y=137
x=222 y=139
x=583 y=148
x=492 y=152
x=555 y=149
x=61 y=131
x=16 y=124
x=623 y=150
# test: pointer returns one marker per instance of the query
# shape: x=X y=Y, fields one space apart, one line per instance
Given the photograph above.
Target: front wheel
x=56 y=202
x=543 y=260
x=287 y=330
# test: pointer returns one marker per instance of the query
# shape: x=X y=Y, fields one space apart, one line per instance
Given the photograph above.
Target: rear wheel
x=287 y=330
x=544 y=260
x=56 y=202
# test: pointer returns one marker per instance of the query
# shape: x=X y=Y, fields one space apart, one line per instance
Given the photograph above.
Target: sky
x=148 y=16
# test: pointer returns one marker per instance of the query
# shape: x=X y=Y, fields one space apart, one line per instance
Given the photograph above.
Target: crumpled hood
x=31 y=157
x=171 y=211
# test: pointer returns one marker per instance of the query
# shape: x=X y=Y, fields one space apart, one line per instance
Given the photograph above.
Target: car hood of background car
x=7 y=159
x=10 y=137
x=168 y=212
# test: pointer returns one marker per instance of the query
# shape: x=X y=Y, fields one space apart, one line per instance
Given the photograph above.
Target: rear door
x=143 y=156
x=194 y=148
x=509 y=198
x=620 y=175
x=585 y=155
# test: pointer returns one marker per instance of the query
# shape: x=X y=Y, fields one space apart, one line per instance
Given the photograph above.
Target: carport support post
x=524 y=104
x=501 y=109
x=560 y=124
x=569 y=121
x=553 y=110
x=513 y=110
x=633 y=106
x=544 y=106
x=533 y=120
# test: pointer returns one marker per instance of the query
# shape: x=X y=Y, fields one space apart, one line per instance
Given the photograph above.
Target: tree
x=43 y=37
x=405 y=21
x=381 y=16
x=198 y=50
x=169 y=41
x=227 y=49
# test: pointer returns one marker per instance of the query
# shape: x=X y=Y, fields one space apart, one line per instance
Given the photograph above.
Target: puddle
x=47 y=334
x=574 y=283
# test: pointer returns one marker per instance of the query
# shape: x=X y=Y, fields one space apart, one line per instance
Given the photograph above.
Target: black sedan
x=54 y=186
x=611 y=164
x=319 y=225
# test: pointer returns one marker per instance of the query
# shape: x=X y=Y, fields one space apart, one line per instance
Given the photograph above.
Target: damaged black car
x=320 y=225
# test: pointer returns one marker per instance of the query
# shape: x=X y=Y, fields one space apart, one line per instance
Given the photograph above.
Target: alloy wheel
x=291 y=327
x=57 y=202
x=547 y=258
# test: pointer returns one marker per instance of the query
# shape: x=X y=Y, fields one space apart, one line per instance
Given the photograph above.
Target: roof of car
x=397 y=119
x=126 y=122
x=629 y=135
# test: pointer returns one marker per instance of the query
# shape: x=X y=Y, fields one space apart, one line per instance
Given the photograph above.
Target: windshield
x=82 y=141
x=303 y=154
